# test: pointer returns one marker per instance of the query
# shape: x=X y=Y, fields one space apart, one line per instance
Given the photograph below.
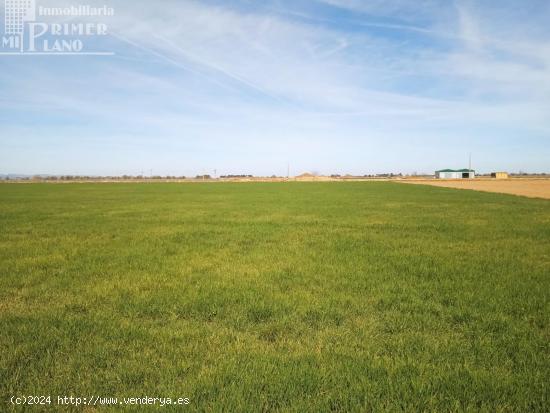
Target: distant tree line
x=95 y=178
x=520 y=173
x=207 y=177
x=386 y=175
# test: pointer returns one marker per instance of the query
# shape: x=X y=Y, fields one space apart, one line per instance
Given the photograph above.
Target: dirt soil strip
x=532 y=188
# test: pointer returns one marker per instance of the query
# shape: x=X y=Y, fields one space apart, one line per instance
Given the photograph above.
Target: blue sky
x=330 y=86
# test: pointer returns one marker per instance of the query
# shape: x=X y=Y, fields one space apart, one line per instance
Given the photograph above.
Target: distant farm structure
x=455 y=174
x=499 y=175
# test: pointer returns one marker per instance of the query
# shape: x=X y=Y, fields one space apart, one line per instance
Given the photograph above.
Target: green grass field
x=300 y=297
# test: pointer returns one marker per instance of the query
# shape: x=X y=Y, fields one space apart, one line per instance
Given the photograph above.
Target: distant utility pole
x=288 y=170
x=470 y=162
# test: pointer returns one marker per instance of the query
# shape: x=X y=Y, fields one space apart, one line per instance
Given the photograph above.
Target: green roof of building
x=456 y=170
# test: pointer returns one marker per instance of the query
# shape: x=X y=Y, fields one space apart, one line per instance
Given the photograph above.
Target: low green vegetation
x=299 y=297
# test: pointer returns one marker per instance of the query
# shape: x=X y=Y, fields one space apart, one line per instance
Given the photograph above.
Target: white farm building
x=455 y=174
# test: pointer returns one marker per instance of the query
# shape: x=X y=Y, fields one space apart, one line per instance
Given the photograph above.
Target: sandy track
x=532 y=188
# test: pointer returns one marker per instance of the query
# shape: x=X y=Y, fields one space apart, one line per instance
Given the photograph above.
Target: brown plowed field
x=533 y=188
